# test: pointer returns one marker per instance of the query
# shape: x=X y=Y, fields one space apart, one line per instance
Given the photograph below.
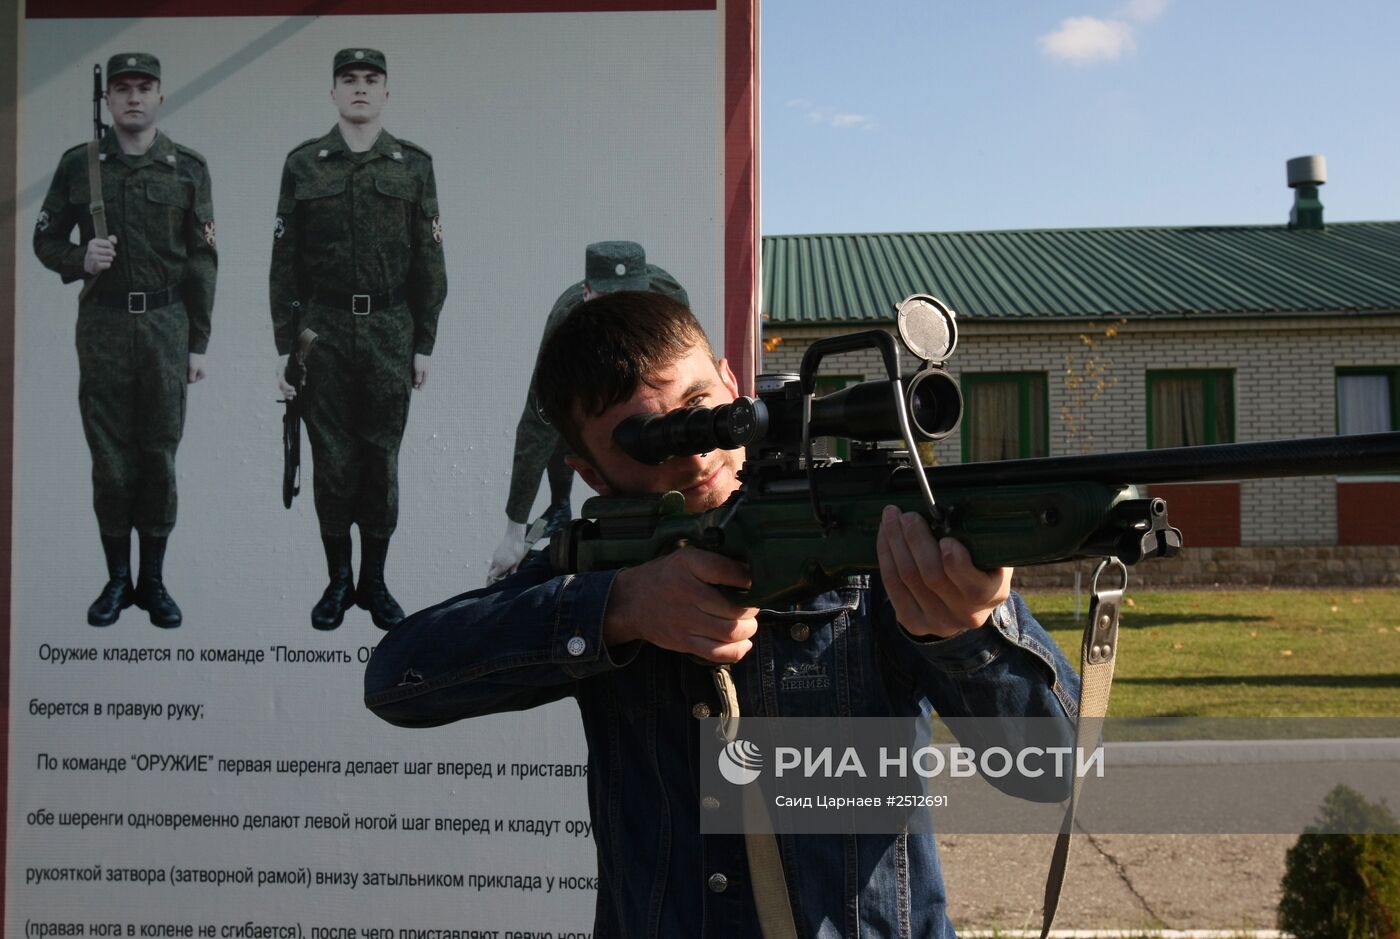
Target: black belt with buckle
x=138 y=301
x=361 y=304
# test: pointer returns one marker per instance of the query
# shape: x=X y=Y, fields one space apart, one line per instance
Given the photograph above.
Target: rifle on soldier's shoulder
x=804 y=524
x=96 y=207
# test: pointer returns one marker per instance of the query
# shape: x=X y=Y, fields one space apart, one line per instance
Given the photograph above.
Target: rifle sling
x=770 y=893
x=95 y=206
x=1097 y=654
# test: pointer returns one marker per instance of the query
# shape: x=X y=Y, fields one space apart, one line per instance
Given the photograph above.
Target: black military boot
x=373 y=595
x=118 y=593
x=339 y=595
x=150 y=587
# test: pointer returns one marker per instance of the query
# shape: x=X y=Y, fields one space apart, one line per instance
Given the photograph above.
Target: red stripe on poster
x=147 y=9
x=741 y=190
x=9 y=235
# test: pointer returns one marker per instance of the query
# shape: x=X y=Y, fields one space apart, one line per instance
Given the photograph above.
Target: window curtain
x=1363 y=404
x=995 y=412
x=1178 y=412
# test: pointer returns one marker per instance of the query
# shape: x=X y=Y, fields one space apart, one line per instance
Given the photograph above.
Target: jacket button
x=700 y=711
x=718 y=883
x=800 y=632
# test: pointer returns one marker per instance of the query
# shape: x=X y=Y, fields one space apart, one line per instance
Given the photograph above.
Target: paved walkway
x=1183 y=882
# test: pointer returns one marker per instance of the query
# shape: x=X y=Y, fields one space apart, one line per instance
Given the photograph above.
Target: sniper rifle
x=804 y=523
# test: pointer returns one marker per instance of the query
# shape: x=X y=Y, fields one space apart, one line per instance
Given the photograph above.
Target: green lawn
x=1263 y=653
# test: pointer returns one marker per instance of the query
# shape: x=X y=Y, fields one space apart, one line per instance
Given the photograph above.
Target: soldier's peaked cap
x=133 y=63
x=610 y=266
x=359 y=58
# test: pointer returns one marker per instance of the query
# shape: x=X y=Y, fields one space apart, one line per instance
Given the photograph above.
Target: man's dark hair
x=603 y=350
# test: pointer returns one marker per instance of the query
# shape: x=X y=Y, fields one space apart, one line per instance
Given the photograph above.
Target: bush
x=1341 y=885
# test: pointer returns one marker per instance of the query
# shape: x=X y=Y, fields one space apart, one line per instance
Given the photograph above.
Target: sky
x=960 y=115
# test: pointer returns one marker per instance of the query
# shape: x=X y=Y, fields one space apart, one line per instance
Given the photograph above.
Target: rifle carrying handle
x=876 y=338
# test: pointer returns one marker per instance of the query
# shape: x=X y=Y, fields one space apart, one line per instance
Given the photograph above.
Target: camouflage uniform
x=136 y=329
x=138 y=324
x=538 y=446
x=357 y=258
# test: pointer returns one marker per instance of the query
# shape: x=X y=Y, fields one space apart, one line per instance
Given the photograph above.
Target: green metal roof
x=1349 y=267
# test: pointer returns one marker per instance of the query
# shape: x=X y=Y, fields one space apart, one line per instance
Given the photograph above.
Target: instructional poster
x=190 y=756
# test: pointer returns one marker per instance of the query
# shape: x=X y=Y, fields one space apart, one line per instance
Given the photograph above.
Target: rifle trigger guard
x=1102 y=642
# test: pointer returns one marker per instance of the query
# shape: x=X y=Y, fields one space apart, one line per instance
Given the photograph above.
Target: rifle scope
x=864 y=411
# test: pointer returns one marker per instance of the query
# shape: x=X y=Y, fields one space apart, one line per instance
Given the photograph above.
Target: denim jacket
x=536 y=637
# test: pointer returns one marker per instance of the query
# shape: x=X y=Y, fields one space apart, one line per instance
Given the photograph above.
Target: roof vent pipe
x=1305 y=174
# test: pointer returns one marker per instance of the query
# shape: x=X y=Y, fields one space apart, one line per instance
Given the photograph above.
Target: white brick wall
x=1284 y=386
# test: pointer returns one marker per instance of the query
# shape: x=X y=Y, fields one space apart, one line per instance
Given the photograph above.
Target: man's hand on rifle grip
x=935 y=589
x=674 y=602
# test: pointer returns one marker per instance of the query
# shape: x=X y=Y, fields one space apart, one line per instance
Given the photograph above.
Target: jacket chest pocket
x=78 y=192
x=168 y=203
x=395 y=199
x=325 y=218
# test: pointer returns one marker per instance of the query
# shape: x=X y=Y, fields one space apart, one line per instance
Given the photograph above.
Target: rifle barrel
x=1311 y=456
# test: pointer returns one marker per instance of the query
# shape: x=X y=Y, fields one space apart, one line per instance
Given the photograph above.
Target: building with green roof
x=1095 y=340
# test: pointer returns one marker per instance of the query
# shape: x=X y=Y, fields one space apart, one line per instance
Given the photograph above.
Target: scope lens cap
x=741 y=419
x=928 y=327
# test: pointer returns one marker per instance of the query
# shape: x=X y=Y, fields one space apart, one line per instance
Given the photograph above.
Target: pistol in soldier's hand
x=100 y=254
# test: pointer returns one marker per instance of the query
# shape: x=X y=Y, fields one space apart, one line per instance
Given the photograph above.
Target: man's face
x=133 y=101
x=706 y=480
x=359 y=94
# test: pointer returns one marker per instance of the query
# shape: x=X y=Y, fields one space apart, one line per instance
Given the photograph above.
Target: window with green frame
x=1190 y=407
x=1005 y=416
x=1368 y=399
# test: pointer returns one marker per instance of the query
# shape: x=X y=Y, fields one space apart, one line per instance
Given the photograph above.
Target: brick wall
x=1284 y=386
x=1281 y=566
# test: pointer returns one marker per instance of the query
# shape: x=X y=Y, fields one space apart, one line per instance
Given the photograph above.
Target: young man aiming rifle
x=930 y=629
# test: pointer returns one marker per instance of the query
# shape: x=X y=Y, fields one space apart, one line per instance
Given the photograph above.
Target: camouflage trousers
x=131 y=394
x=358 y=383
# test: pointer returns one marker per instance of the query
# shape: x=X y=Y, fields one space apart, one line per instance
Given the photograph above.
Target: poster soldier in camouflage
x=143 y=326
x=609 y=266
x=357 y=282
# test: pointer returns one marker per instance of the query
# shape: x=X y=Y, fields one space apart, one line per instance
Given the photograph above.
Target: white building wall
x=1284 y=386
